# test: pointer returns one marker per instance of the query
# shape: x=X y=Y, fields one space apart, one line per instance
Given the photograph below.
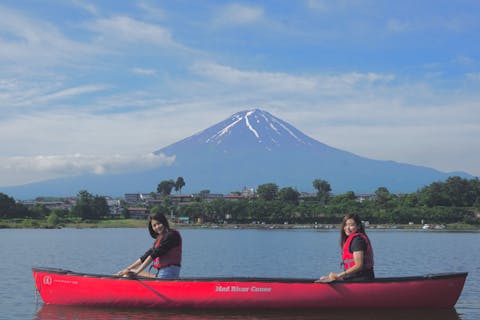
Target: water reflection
x=52 y=312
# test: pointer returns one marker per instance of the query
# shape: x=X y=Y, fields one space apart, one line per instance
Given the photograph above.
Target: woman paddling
x=166 y=253
x=357 y=253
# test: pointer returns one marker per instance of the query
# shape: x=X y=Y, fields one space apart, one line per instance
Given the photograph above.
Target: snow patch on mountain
x=249 y=126
x=260 y=125
x=223 y=131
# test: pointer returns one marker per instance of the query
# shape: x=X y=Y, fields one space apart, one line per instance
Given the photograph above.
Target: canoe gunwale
x=433 y=276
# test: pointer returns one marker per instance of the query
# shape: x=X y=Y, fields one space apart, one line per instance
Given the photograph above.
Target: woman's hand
x=122 y=273
x=132 y=272
x=333 y=276
x=322 y=279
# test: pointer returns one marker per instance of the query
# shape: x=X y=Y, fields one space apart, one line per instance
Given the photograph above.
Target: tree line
x=456 y=200
x=87 y=207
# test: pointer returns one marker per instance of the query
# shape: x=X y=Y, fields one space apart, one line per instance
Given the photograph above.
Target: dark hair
x=160 y=217
x=358 y=222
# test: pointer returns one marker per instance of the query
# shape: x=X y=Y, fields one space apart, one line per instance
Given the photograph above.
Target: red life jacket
x=347 y=256
x=172 y=257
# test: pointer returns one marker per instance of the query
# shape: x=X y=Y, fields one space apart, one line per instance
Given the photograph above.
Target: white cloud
x=239 y=14
x=284 y=82
x=88 y=7
x=144 y=72
x=152 y=10
x=69 y=92
x=25 y=169
x=123 y=29
x=267 y=80
x=30 y=95
x=35 y=43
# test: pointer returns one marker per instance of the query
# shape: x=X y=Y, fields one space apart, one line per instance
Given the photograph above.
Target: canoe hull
x=63 y=287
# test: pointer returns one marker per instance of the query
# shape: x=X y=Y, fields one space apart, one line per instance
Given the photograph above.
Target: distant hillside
x=248 y=149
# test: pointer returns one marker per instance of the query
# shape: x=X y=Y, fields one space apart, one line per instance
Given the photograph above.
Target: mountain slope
x=248 y=149
x=253 y=147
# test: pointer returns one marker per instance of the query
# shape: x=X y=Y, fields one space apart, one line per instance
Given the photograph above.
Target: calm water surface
x=217 y=252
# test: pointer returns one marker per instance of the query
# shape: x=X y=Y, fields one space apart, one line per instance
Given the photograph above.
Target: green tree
x=323 y=190
x=6 y=205
x=434 y=195
x=82 y=207
x=383 y=196
x=179 y=184
x=289 y=195
x=100 y=206
x=258 y=210
x=344 y=203
x=39 y=211
x=89 y=206
x=238 y=210
x=267 y=191
x=459 y=192
x=61 y=213
x=475 y=190
x=408 y=200
x=192 y=210
x=165 y=187
x=11 y=209
x=53 y=220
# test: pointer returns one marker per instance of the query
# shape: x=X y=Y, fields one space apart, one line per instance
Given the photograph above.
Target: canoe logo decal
x=219 y=288
x=47 y=280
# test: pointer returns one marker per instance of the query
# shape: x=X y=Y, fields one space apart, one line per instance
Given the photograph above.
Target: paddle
x=141 y=280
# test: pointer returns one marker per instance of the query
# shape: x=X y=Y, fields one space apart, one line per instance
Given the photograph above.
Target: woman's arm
x=358 y=247
x=134 y=265
x=358 y=259
x=142 y=265
x=129 y=268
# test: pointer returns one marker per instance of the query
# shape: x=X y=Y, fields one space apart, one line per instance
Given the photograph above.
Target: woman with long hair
x=357 y=252
x=165 y=254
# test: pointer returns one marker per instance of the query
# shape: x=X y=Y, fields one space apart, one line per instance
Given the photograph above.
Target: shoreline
x=134 y=223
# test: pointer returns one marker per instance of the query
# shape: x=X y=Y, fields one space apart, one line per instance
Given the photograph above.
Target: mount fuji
x=250 y=148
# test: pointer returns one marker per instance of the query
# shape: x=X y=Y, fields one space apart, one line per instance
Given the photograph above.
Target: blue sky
x=96 y=86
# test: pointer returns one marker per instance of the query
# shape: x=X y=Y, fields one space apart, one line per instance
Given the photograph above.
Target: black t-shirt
x=358 y=244
x=170 y=240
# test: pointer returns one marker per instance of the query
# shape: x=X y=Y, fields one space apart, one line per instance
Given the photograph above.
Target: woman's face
x=350 y=227
x=156 y=226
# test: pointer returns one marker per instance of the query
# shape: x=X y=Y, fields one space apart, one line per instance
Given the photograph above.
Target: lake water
x=302 y=253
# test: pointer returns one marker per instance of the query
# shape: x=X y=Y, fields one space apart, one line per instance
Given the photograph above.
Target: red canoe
x=62 y=287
